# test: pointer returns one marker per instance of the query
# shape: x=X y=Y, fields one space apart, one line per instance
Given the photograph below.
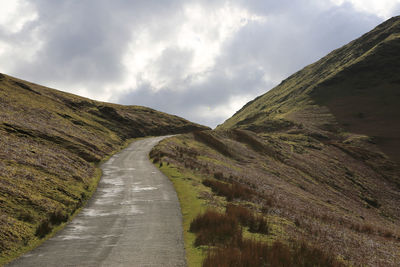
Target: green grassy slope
x=355 y=88
x=320 y=153
x=50 y=143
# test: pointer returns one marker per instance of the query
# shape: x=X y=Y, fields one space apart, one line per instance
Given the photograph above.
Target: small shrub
x=256 y=224
x=219 y=175
x=26 y=216
x=230 y=191
x=241 y=213
x=58 y=216
x=268 y=201
x=43 y=228
x=214 y=228
x=306 y=255
x=265 y=209
x=241 y=192
x=219 y=188
x=373 y=202
x=256 y=253
x=84 y=195
x=363 y=228
x=249 y=253
x=224 y=257
x=367 y=228
x=388 y=234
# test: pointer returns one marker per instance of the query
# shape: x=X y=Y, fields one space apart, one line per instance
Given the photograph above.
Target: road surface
x=133 y=219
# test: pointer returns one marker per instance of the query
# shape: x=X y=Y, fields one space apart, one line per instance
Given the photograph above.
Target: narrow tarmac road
x=133 y=219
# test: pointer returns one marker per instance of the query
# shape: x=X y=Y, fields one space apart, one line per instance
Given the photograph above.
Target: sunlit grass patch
x=188 y=188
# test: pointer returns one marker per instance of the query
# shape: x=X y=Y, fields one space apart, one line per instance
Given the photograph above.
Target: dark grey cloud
x=297 y=36
x=194 y=102
x=84 y=44
x=84 y=41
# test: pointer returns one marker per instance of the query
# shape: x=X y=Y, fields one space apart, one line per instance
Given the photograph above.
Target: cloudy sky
x=199 y=59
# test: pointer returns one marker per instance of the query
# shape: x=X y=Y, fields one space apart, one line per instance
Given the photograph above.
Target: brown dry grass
x=254 y=253
x=324 y=192
x=222 y=230
x=231 y=191
x=213 y=228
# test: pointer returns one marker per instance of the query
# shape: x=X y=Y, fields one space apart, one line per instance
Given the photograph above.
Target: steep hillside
x=50 y=143
x=353 y=89
x=317 y=157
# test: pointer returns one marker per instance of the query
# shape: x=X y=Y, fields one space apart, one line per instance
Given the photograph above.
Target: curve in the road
x=133 y=219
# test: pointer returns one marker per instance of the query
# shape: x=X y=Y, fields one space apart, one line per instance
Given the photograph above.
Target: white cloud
x=224 y=111
x=202 y=38
x=206 y=37
x=15 y=14
x=22 y=50
x=381 y=8
x=4 y=48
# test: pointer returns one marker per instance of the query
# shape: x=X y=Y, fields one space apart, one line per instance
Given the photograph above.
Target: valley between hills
x=51 y=146
x=307 y=174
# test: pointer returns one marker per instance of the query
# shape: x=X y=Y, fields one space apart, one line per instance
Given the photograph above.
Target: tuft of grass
x=231 y=191
x=255 y=223
x=214 y=228
x=255 y=253
x=241 y=213
x=58 y=216
x=44 y=228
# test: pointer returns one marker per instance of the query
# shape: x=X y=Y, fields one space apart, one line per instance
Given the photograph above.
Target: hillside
x=353 y=89
x=317 y=157
x=50 y=143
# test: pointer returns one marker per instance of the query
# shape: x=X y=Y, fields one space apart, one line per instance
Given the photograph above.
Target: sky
x=198 y=59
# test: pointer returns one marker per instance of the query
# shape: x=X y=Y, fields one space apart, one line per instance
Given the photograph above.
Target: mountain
x=317 y=157
x=50 y=145
x=353 y=89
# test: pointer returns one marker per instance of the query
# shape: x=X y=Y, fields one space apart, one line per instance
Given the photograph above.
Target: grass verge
x=191 y=206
